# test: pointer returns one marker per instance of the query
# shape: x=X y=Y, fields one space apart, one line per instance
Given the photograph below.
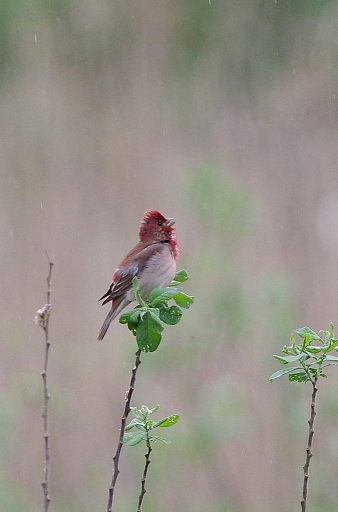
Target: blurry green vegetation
x=105 y=36
x=9 y=413
x=222 y=203
x=226 y=401
x=11 y=498
x=232 y=302
x=108 y=33
x=228 y=213
x=231 y=28
x=274 y=294
x=193 y=24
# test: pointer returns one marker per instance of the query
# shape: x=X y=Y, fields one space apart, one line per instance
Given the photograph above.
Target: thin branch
x=116 y=457
x=42 y=319
x=309 y=444
x=144 y=477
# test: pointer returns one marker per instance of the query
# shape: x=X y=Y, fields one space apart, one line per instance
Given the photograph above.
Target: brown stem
x=309 y=444
x=144 y=477
x=45 y=326
x=116 y=457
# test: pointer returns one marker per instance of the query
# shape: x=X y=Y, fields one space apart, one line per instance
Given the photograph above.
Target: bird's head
x=156 y=228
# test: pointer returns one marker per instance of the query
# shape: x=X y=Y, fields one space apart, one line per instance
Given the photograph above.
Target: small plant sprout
x=308 y=360
x=143 y=428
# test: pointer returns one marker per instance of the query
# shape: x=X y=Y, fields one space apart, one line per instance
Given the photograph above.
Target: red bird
x=153 y=261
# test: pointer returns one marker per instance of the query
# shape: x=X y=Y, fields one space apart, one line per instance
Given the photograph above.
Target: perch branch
x=116 y=457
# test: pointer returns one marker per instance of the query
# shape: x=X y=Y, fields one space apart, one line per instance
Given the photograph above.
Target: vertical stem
x=116 y=457
x=47 y=309
x=144 y=476
x=309 y=444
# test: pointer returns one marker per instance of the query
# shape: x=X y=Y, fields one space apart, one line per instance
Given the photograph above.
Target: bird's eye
x=160 y=222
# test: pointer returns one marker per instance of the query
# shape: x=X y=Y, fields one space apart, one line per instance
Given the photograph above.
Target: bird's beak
x=170 y=221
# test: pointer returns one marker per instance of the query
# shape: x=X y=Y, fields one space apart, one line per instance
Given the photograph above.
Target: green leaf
x=332 y=346
x=133 y=438
x=124 y=318
x=298 y=377
x=148 y=332
x=162 y=295
x=328 y=336
x=155 y=316
x=135 y=315
x=170 y=315
x=306 y=331
x=293 y=350
x=167 y=422
x=134 y=423
x=281 y=359
x=288 y=359
x=278 y=374
x=312 y=370
x=159 y=438
x=313 y=349
x=144 y=412
x=183 y=300
x=180 y=277
x=131 y=318
x=331 y=358
x=154 y=409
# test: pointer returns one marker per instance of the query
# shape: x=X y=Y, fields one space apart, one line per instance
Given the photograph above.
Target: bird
x=152 y=261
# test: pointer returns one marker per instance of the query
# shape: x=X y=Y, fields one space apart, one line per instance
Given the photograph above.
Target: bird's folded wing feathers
x=122 y=279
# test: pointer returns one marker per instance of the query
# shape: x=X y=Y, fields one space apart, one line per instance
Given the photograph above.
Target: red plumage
x=152 y=260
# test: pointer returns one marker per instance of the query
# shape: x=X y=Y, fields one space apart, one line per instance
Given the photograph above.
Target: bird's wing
x=131 y=266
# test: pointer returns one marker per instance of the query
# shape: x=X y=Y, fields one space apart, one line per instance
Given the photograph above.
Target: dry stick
x=309 y=443
x=116 y=457
x=45 y=326
x=144 y=477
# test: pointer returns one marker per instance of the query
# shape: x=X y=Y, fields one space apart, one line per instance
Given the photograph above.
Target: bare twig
x=144 y=477
x=309 y=443
x=42 y=319
x=116 y=457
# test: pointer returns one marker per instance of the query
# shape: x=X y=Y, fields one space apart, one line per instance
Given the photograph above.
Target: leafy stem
x=140 y=429
x=126 y=412
x=311 y=356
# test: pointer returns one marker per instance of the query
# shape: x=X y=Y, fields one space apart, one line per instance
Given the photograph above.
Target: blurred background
x=224 y=115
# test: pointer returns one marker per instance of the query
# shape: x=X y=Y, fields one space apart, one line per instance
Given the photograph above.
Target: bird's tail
x=117 y=306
